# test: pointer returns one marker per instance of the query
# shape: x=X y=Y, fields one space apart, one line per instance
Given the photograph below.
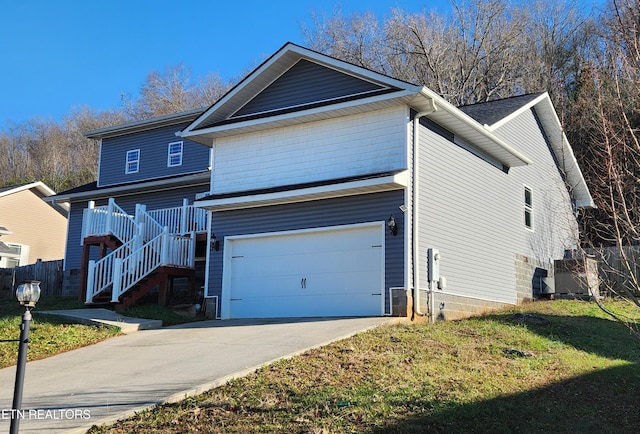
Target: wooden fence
x=49 y=273
x=618 y=268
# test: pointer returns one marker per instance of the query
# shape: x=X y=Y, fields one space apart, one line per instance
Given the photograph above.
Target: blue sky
x=58 y=55
x=64 y=54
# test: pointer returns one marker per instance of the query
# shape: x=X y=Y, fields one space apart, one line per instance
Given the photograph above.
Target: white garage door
x=336 y=271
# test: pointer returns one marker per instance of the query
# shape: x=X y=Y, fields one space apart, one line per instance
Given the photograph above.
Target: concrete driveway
x=113 y=379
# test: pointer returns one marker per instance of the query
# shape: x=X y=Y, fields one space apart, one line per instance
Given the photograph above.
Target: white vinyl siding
x=132 y=161
x=324 y=150
x=174 y=157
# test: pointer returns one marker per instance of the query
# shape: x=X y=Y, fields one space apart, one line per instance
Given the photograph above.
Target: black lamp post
x=28 y=294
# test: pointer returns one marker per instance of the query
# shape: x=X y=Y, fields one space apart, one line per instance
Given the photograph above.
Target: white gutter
x=414 y=207
x=471 y=123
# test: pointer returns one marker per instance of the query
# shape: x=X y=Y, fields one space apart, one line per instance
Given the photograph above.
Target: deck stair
x=146 y=249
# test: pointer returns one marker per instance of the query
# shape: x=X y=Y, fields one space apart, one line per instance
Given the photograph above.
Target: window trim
x=129 y=163
x=528 y=208
x=178 y=155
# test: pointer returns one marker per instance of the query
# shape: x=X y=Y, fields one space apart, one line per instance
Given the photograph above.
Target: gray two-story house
x=332 y=190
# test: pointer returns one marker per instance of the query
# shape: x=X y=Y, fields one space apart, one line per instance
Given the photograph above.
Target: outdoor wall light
x=215 y=243
x=28 y=294
x=391 y=224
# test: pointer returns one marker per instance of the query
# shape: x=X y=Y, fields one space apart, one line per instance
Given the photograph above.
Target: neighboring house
x=333 y=190
x=30 y=228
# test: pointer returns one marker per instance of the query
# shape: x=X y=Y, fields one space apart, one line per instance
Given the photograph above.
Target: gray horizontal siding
x=316 y=214
x=306 y=83
x=471 y=212
x=554 y=226
x=154 y=147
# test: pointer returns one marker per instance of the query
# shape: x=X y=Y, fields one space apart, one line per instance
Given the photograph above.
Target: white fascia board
x=482 y=130
x=62 y=207
x=38 y=185
x=575 y=178
x=515 y=114
x=266 y=121
x=353 y=69
x=143 y=125
x=133 y=188
x=351 y=188
x=233 y=92
x=561 y=147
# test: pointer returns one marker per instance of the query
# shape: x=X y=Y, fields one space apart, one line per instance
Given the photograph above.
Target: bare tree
x=173 y=91
x=605 y=120
x=482 y=50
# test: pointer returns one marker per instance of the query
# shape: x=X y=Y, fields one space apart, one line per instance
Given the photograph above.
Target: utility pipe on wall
x=414 y=208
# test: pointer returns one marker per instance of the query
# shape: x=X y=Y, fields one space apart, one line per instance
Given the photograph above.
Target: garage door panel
x=333 y=272
x=307 y=306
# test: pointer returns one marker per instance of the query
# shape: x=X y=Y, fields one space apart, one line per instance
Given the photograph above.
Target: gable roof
x=298 y=85
x=41 y=189
x=294 y=82
x=546 y=114
x=488 y=113
x=144 y=125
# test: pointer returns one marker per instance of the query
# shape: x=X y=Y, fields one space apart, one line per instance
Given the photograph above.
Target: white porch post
x=109 y=216
x=192 y=250
x=87 y=220
x=164 y=254
x=184 y=217
x=117 y=280
x=91 y=274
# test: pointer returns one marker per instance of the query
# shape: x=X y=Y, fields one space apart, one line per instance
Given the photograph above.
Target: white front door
x=336 y=271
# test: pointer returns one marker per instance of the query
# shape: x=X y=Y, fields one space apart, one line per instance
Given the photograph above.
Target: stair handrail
x=150 y=245
x=151 y=228
x=100 y=272
x=164 y=249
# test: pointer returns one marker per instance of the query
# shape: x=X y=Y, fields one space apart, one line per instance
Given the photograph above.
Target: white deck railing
x=108 y=220
x=181 y=219
x=150 y=245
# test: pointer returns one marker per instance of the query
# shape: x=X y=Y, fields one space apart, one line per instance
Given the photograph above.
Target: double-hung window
x=133 y=161
x=528 y=208
x=175 y=154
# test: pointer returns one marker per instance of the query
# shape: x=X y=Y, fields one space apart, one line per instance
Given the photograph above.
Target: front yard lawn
x=548 y=366
x=49 y=335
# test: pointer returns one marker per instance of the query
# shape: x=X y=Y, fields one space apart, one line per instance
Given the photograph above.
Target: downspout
x=414 y=208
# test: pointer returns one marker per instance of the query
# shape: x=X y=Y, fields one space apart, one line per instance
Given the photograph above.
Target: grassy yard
x=49 y=335
x=554 y=366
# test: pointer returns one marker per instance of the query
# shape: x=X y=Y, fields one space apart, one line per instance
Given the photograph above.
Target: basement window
x=133 y=161
x=528 y=208
x=175 y=154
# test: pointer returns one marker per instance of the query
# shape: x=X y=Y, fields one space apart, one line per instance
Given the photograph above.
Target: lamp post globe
x=27 y=293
